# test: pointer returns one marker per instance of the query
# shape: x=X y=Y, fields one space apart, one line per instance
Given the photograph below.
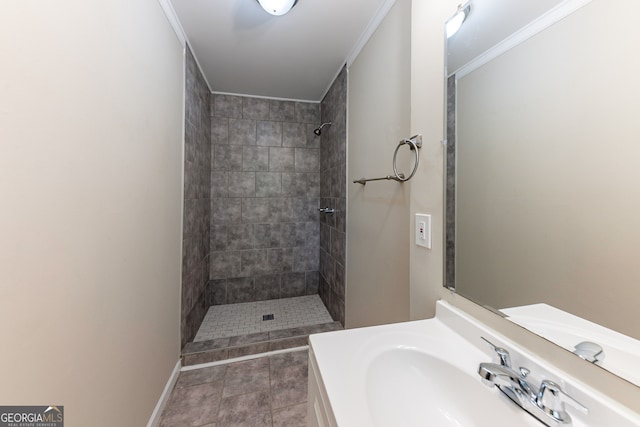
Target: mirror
x=543 y=167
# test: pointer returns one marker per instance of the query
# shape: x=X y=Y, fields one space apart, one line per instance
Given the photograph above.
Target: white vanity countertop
x=416 y=373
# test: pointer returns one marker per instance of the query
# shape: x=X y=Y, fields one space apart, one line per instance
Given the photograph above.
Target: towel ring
x=415 y=142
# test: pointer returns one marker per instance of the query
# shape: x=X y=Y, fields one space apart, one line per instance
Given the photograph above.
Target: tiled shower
x=333 y=189
x=197 y=203
x=265 y=189
x=252 y=227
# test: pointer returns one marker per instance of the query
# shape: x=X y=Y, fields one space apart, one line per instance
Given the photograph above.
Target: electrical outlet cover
x=423 y=234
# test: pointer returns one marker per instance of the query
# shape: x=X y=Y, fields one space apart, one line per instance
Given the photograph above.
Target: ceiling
x=241 y=49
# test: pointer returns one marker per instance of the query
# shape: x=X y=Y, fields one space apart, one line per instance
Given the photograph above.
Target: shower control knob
x=327 y=210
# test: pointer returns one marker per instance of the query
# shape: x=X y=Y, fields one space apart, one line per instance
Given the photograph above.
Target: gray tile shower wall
x=333 y=194
x=197 y=172
x=265 y=194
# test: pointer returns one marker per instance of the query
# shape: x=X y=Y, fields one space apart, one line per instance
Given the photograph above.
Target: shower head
x=318 y=130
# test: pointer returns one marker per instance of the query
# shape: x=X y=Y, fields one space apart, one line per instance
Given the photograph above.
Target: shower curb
x=200 y=352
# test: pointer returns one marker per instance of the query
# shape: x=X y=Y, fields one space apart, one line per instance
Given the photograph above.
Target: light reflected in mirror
x=543 y=162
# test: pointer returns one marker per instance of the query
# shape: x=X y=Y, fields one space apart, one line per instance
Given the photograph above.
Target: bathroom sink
x=426 y=373
x=410 y=374
x=408 y=387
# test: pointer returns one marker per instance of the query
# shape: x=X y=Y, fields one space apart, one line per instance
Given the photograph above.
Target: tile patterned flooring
x=230 y=320
x=268 y=391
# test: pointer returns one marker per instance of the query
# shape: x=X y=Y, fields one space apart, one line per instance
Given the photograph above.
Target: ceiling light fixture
x=453 y=25
x=277 y=7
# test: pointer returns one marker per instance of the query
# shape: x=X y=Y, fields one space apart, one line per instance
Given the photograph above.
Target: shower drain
x=267 y=317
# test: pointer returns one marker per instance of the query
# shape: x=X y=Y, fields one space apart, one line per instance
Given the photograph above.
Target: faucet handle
x=503 y=354
x=551 y=399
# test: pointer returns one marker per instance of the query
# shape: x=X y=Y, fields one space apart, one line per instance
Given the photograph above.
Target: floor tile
x=246 y=377
x=262 y=420
x=268 y=391
x=288 y=343
x=291 y=358
x=205 y=357
x=195 y=347
x=193 y=406
x=286 y=333
x=288 y=386
x=201 y=376
x=245 y=350
x=244 y=407
x=291 y=416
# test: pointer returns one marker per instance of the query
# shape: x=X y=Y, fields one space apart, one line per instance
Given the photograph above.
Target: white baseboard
x=154 y=421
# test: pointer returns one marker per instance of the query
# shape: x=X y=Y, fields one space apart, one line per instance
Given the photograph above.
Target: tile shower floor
x=231 y=320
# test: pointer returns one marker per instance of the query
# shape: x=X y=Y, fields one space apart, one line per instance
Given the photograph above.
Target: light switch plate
x=423 y=230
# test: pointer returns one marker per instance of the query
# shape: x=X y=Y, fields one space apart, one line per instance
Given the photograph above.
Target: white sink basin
x=407 y=387
x=410 y=374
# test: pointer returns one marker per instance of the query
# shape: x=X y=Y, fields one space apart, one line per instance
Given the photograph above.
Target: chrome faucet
x=546 y=404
